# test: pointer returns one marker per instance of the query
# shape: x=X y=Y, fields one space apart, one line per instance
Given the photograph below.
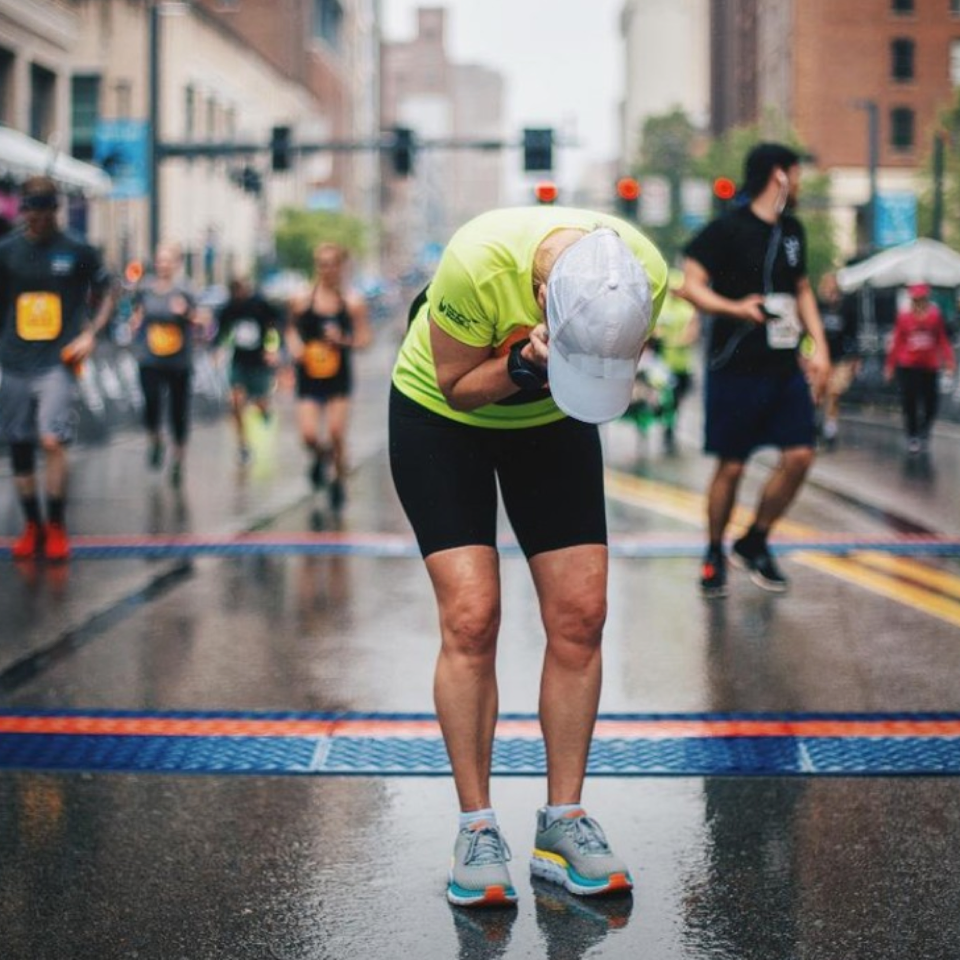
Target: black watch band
x=526 y=375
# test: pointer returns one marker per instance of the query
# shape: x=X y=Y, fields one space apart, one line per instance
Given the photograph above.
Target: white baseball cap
x=599 y=312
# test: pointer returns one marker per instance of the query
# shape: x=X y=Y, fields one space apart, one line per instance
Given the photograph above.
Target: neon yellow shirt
x=671 y=331
x=482 y=295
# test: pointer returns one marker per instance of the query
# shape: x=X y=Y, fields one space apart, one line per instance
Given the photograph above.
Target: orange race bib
x=164 y=339
x=321 y=360
x=39 y=316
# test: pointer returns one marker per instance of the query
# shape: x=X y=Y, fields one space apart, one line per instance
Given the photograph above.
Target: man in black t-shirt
x=47 y=281
x=840 y=327
x=251 y=326
x=746 y=271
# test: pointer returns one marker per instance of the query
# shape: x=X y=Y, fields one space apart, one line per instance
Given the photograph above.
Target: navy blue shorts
x=747 y=411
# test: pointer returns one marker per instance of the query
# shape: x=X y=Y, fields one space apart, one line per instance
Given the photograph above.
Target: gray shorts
x=35 y=405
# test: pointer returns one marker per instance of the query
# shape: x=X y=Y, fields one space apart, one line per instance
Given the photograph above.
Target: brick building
x=822 y=65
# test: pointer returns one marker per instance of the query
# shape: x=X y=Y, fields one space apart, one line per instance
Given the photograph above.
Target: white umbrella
x=22 y=156
x=920 y=261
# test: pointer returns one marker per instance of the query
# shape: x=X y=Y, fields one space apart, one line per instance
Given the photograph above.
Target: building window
x=85 y=110
x=189 y=111
x=901 y=59
x=901 y=7
x=6 y=86
x=902 y=128
x=43 y=100
x=955 y=8
x=328 y=21
x=955 y=63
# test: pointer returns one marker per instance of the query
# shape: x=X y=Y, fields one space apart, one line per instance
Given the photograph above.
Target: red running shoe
x=56 y=547
x=25 y=546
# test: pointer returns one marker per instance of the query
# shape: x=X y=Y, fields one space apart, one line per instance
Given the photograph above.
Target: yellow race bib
x=321 y=360
x=164 y=339
x=39 y=316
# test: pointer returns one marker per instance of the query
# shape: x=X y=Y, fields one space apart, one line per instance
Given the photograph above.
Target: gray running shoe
x=478 y=874
x=574 y=853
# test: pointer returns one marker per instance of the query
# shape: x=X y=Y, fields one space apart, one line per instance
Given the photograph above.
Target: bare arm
x=471 y=377
x=697 y=290
x=818 y=365
x=360 y=318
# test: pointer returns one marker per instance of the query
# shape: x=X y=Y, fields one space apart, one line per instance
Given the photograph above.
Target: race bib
x=39 y=316
x=783 y=324
x=321 y=360
x=246 y=335
x=164 y=339
x=921 y=341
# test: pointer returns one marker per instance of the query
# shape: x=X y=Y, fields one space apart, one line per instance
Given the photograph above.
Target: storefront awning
x=22 y=156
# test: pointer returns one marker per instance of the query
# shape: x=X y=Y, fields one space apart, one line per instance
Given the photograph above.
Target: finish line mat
x=386 y=545
x=625 y=745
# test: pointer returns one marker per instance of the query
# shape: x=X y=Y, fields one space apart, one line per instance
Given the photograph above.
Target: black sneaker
x=317 y=473
x=338 y=495
x=759 y=563
x=713 y=574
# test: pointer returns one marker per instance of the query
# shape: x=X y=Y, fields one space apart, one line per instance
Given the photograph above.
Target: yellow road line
x=917 y=585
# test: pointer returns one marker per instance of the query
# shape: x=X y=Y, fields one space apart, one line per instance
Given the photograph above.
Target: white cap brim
x=591 y=397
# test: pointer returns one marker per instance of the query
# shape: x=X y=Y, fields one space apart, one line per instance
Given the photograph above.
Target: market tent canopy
x=920 y=261
x=22 y=156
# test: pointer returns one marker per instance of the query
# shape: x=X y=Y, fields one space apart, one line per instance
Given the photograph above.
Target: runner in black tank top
x=323 y=332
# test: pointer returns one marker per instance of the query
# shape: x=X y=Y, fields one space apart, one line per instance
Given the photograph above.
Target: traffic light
x=403 y=150
x=537 y=149
x=546 y=192
x=281 y=154
x=628 y=196
x=724 y=190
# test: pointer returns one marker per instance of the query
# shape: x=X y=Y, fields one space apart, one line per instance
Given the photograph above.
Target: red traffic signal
x=628 y=188
x=545 y=191
x=724 y=188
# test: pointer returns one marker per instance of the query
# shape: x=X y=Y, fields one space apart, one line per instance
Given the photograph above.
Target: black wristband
x=525 y=374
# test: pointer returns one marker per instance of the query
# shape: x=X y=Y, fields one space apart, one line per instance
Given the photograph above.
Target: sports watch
x=525 y=374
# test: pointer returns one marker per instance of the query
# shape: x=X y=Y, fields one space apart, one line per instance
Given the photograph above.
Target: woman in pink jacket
x=920 y=347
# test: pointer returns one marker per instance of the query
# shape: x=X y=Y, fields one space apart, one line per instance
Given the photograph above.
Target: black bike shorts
x=446 y=475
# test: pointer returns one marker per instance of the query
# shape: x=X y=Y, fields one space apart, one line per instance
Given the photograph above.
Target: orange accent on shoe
x=619 y=881
x=25 y=546
x=579 y=812
x=56 y=546
x=494 y=894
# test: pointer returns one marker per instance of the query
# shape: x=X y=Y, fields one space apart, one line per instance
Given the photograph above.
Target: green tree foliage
x=668 y=147
x=948 y=127
x=298 y=233
x=672 y=148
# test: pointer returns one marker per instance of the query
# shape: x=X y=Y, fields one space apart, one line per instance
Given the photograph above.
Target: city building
x=666 y=63
x=37 y=38
x=441 y=102
x=827 y=69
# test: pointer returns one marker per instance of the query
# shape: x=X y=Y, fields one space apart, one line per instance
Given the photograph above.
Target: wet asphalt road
x=170 y=866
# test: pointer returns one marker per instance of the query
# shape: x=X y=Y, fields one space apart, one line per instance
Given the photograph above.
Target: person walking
x=918 y=349
x=251 y=326
x=747 y=271
x=327 y=326
x=527 y=337
x=164 y=315
x=839 y=317
x=49 y=280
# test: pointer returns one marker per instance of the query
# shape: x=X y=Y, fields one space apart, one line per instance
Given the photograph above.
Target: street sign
x=120 y=147
x=655 y=202
x=896 y=219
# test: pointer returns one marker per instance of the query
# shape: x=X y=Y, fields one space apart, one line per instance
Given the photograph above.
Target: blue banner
x=896 y=219
x=121 y=148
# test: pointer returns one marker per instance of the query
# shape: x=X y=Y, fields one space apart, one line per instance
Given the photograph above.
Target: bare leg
x=572 y=587
x=722 y=496
x=338 y=409
x=466 y=581
x=782 y=486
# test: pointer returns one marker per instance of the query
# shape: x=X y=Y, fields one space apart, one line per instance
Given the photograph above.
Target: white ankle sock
x=559 y=810
x=472 y=816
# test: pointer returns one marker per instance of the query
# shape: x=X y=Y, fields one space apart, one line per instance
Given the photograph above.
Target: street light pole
x=873 y=139
x=153 y=96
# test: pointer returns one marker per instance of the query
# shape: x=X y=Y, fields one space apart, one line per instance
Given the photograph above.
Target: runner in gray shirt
x=48 y=283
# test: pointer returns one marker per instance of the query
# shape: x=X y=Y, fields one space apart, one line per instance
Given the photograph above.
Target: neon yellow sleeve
x=455 y=303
